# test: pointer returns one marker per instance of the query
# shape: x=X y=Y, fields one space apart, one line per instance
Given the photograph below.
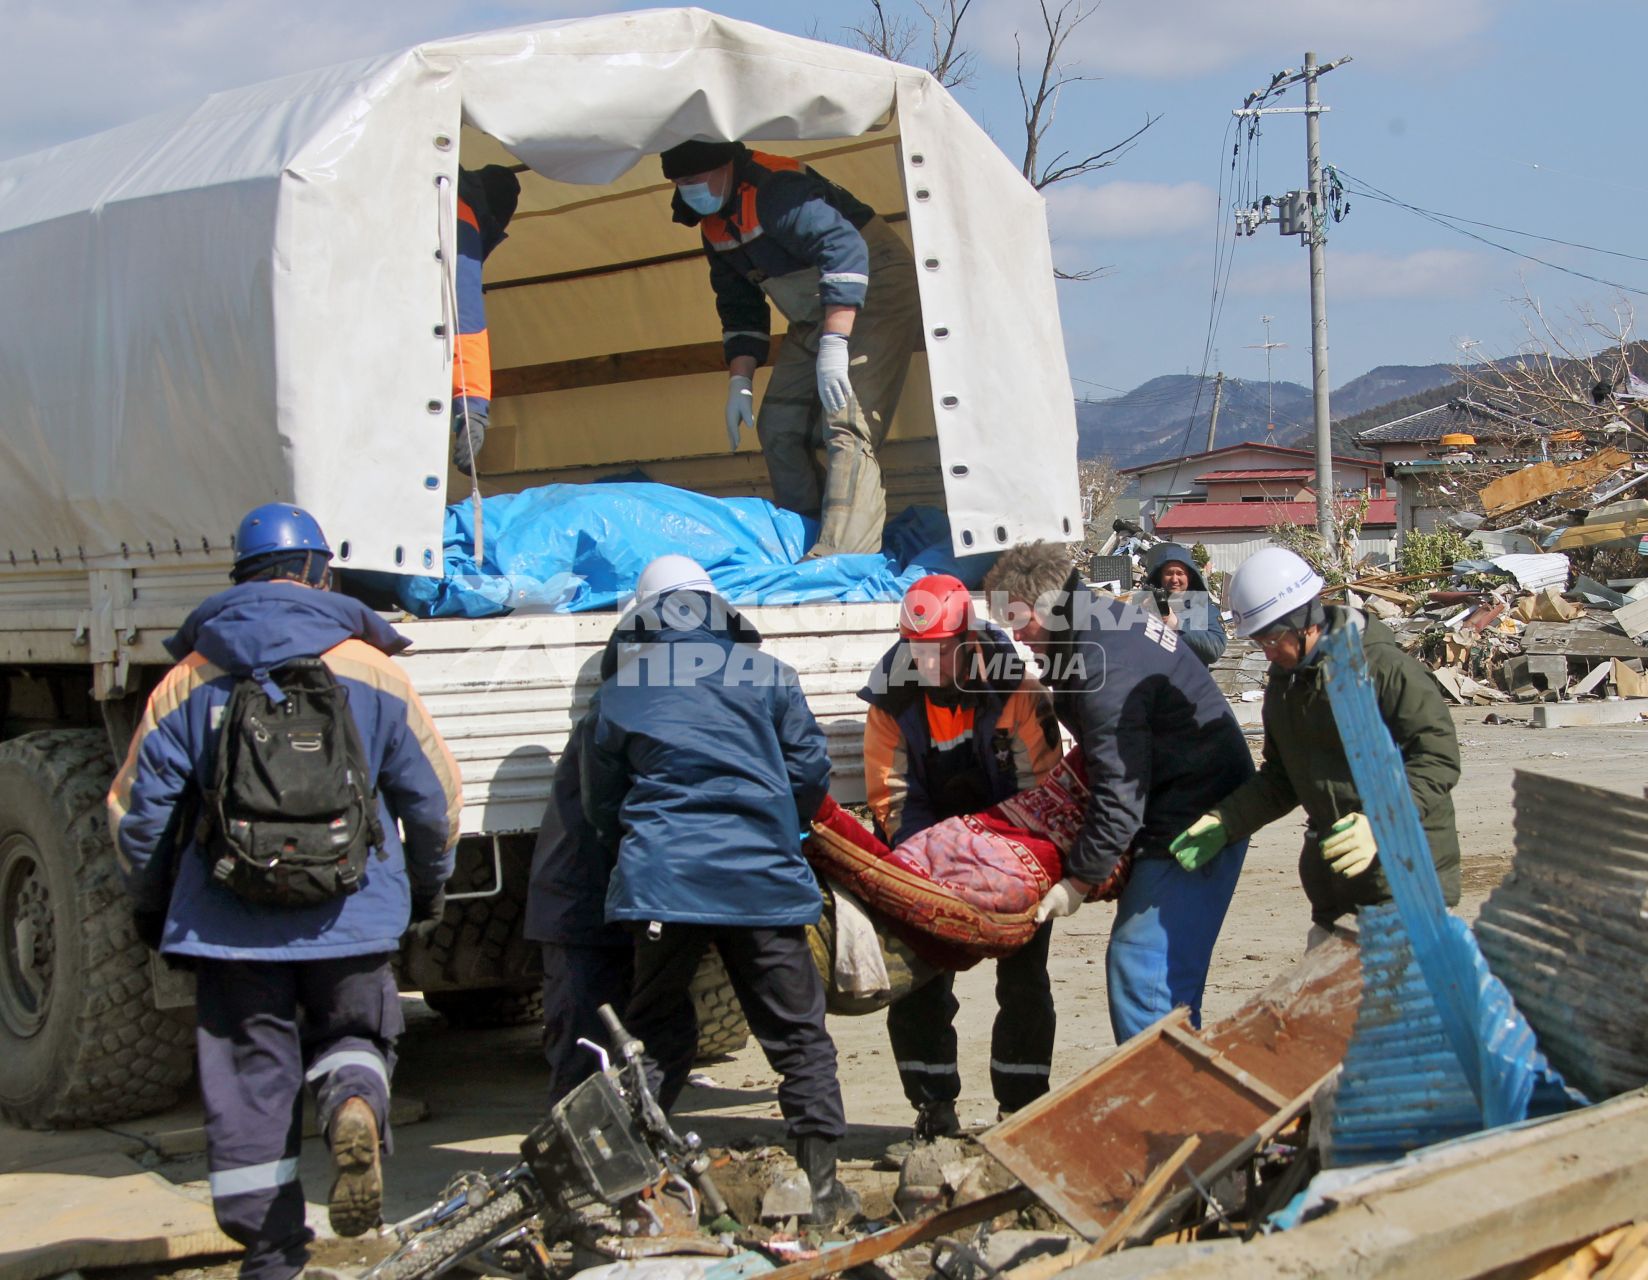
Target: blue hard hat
x=278 y=526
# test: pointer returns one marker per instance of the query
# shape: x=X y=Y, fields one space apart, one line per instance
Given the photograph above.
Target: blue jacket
x=780 y=218
x=567 y=892
x=1200 y=625
x=704 y=764
x=246 y=629
x=1160 y=742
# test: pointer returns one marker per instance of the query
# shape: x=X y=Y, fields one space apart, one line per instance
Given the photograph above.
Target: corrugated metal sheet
x=1567 y=930
x=1402 y=1086
x=505 y=692
x=1493 y=1043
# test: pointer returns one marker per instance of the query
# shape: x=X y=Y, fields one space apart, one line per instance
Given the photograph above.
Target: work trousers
x=845 y=493
x=578 y=980
x=1167 y=922
x=264 y=1029
x=922 y=1029
x=777 y=984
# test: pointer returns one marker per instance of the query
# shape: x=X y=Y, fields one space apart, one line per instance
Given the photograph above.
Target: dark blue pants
x=1167 y=922
x=265 y=1028
x=922 y=1030
x=773 y=974
x=578 y=980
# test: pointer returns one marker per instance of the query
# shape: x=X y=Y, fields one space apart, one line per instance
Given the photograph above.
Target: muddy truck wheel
x=488 y=1007
x=80 y=1039
x=721 y=1026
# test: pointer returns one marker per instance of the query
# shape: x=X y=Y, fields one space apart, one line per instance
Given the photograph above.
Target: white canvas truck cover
x=241 y=301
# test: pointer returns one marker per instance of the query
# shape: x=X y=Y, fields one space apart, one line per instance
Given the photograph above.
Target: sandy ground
x=483 y=1088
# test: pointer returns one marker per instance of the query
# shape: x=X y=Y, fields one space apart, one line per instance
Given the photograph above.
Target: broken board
x=1085 y=1149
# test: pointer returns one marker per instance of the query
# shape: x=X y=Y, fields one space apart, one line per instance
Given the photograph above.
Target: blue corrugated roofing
x=1469 y=1013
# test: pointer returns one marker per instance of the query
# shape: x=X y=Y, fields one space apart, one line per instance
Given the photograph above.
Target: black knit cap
x=687 y=158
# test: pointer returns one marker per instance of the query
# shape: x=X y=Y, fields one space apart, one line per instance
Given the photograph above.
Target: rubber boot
x=833 y=1201
x=937 y=1120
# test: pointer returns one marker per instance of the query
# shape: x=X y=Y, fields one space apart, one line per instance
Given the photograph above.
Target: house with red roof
x=1229 y=498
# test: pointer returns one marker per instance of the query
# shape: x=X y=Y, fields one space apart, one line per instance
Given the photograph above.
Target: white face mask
x=700 y=197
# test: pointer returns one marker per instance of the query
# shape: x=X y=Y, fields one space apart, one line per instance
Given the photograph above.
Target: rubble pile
x=1517 y=620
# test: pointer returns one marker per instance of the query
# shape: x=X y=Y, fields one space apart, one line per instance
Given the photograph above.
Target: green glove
x=1197 y=845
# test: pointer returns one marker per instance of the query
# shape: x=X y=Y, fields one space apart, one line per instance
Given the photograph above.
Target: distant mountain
x=1166 y=416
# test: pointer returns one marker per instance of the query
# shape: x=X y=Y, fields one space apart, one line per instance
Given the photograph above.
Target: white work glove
x=1060 y=901
x=1349 y=846
x=740 y=408
x=835 y=388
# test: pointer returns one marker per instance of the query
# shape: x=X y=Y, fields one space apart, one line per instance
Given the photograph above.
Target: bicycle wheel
x=431 y=1253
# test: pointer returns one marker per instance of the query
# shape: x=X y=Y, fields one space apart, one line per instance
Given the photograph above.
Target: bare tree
x=1562 y=380
x=1041 y=104
x=952 y=63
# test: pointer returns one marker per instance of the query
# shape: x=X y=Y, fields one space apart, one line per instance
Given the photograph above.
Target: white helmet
x=1269 y=585
x=670 y=573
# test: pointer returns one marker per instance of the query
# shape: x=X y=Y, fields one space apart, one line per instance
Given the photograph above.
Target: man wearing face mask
x=775 y=231
x=956 y=724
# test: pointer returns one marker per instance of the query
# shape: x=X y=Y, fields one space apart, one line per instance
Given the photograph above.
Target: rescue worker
x=286 y=994
x=1275 y=598
x=1177 y=593
x=703 y=765
x=1160 y=743
x=486 y=202
x=587 y=962
x=773 y=229
x=955 y=725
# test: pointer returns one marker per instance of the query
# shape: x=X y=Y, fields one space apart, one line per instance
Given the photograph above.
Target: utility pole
x=1213 y=418
x=1305 y=214
x=1318 y=307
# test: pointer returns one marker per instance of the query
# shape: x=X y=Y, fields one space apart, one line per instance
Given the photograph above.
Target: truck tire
x=80 y=1039
x=721 y=1026
x=487 y=1007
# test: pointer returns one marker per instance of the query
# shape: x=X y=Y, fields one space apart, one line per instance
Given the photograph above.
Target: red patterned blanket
x=965 y=888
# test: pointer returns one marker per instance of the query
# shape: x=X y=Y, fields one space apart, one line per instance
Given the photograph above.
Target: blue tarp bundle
x=572 y=548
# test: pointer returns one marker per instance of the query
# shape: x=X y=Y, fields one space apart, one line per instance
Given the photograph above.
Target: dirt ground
x=483 y=1088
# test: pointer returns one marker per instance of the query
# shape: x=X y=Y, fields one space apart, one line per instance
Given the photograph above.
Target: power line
x=1449 y=221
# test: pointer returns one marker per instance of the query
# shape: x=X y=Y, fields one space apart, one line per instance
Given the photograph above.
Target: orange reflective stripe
x=466 y=214
x=949 y=726
x=885 y=766
x=768 y=160
x=472 y=366
x=168 y=698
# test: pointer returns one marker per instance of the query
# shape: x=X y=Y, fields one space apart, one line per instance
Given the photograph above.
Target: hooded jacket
x=247 y=631
x=1160 y=742
x=932 y=754
x=1200 y=625
x=780 y=219
x=1304 y=764
x=703 y=766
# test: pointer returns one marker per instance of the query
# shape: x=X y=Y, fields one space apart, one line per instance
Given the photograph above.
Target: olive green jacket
x=1304 y=764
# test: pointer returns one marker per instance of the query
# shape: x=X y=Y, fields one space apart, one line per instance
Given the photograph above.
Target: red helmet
x=935 y=608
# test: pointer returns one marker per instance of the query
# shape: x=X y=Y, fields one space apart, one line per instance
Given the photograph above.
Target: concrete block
x=1542 y=670
x=1007 y=1249
x=1584 y=715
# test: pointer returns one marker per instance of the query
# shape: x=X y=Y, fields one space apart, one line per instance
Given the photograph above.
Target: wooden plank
x=1546 y=479
x=1474 y=1206
x=622 y=366
x=904 y=1236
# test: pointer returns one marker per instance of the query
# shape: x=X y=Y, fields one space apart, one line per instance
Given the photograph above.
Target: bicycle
x=608 y=1142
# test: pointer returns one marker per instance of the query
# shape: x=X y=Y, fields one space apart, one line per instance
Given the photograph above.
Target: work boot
x=356 y=1203
x=937 y=1120
x=833 y=1201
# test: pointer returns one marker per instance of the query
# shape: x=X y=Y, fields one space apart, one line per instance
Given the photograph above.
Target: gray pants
x=844 y=490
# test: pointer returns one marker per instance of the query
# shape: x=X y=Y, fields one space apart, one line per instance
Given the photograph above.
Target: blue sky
x=1518 y=112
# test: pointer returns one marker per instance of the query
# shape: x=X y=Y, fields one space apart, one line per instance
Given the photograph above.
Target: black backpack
x=291 y=814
